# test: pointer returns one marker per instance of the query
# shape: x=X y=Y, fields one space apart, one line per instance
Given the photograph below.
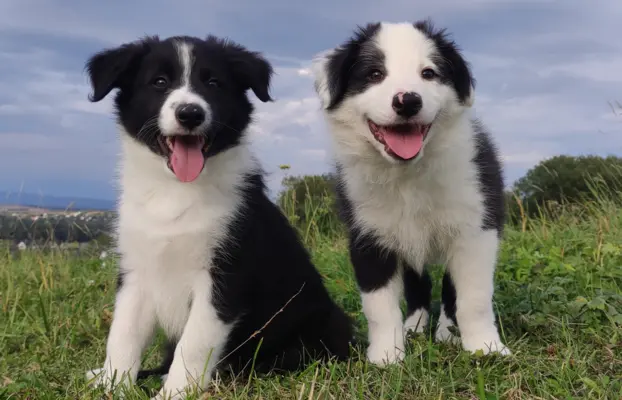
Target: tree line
x=54 y=228
x=309 y=201
x=547 y=187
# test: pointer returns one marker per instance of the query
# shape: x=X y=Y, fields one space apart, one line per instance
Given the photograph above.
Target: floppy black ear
x=109 y=69
x=454 y=68
x=332 y=68
x=251 y=70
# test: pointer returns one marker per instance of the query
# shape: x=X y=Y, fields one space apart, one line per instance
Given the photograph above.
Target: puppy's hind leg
x=418 y=293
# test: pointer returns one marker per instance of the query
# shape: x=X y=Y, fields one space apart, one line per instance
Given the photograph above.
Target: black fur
x=351 y=63
x=454 y=69
x=448 y=297
x=490 y=176
x=260 y=267
x=264 y=237
x=417 y=290
x=262 y=264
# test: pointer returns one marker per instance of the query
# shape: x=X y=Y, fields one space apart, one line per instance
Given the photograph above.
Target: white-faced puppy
x=419 y=182
x=204 y=253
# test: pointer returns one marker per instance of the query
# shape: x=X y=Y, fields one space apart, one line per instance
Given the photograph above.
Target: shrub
x=309 y=203
x=564 y=180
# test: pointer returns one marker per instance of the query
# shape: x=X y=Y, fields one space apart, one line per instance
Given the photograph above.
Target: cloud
x=605 y=70
x=524 y=159
x=543 y=86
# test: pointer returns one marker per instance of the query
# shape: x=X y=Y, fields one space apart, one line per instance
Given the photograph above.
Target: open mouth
x=401 y=141
x=186 y=155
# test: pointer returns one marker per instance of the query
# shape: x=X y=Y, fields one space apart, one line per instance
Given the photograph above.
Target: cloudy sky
x=547 y=71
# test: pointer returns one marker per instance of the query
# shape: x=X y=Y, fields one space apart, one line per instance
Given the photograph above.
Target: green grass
x=558 y=298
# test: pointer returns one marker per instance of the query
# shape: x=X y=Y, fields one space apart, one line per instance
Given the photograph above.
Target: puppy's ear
x=470 y=99
x=250 y=69
x=112 y=68
x=454 y=68
x=319 y=70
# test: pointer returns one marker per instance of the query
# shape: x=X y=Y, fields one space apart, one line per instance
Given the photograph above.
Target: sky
x=548 y=72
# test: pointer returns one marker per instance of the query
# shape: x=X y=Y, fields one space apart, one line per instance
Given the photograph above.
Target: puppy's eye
x=375 y=76
x=160 y=82
x=212 y=82
x=428 y=74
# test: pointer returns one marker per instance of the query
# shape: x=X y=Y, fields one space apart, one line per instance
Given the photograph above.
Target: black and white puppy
x=204 y=253
x=419 y=182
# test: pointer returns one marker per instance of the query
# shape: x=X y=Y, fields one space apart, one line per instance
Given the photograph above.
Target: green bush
x=566 y=179
x=309 y=203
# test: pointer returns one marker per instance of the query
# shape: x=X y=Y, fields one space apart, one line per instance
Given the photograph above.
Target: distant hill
x=54 y=202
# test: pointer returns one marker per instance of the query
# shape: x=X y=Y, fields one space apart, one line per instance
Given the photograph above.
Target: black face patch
x=350 y=66
x=146 y=71
x=453 y=68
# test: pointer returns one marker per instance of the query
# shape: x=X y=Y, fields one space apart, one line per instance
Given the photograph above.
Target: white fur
x=384 y=322
x=417 y=321
x=472 y=263
x=429 y=210
x=167 y=121
x=167 y=232
x=443 y=333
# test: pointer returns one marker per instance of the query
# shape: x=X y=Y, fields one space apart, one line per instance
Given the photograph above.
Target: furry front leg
x=472 y=267
x=131 y=330
x=384 y=320
x=379 y=279
x=199 y=349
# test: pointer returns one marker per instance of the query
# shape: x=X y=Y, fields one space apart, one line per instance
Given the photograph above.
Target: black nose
x=407 y=104
x=190 y=115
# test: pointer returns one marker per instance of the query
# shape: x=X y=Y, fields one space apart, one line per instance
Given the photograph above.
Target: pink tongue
x=406 y=145
x=187 y=160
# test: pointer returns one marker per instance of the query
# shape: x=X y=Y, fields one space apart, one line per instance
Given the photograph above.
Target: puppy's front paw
x=444 y=334
x=164 y=394
x=386 y=350
x=94 y=375
x=416 y=322
x=487 y=344
x=100 y=377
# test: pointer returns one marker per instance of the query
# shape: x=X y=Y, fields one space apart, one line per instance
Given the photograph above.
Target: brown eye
x=160 y=82
x=375 y=76
x=428 y=74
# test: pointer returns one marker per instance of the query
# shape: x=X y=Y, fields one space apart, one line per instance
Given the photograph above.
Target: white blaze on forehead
x=186 y=60
x=406 y=49
x=183 y=94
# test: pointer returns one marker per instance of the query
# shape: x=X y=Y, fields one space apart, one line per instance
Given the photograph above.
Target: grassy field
x=558 y=298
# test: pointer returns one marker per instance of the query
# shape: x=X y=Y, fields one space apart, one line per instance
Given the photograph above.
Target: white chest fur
x=168 y=231
x=417 y=210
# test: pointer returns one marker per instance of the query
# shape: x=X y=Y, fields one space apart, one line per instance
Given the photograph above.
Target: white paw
x=487 y=344
x=176 y=386
x=99 y=377
x=386 y=350
x=159 y=396
x=167 y=394
x=416 y=322
x=93 y=373
x=443 y=329
x=444 y=334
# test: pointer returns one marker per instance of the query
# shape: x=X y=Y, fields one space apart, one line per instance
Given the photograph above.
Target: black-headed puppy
x=204 y=254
